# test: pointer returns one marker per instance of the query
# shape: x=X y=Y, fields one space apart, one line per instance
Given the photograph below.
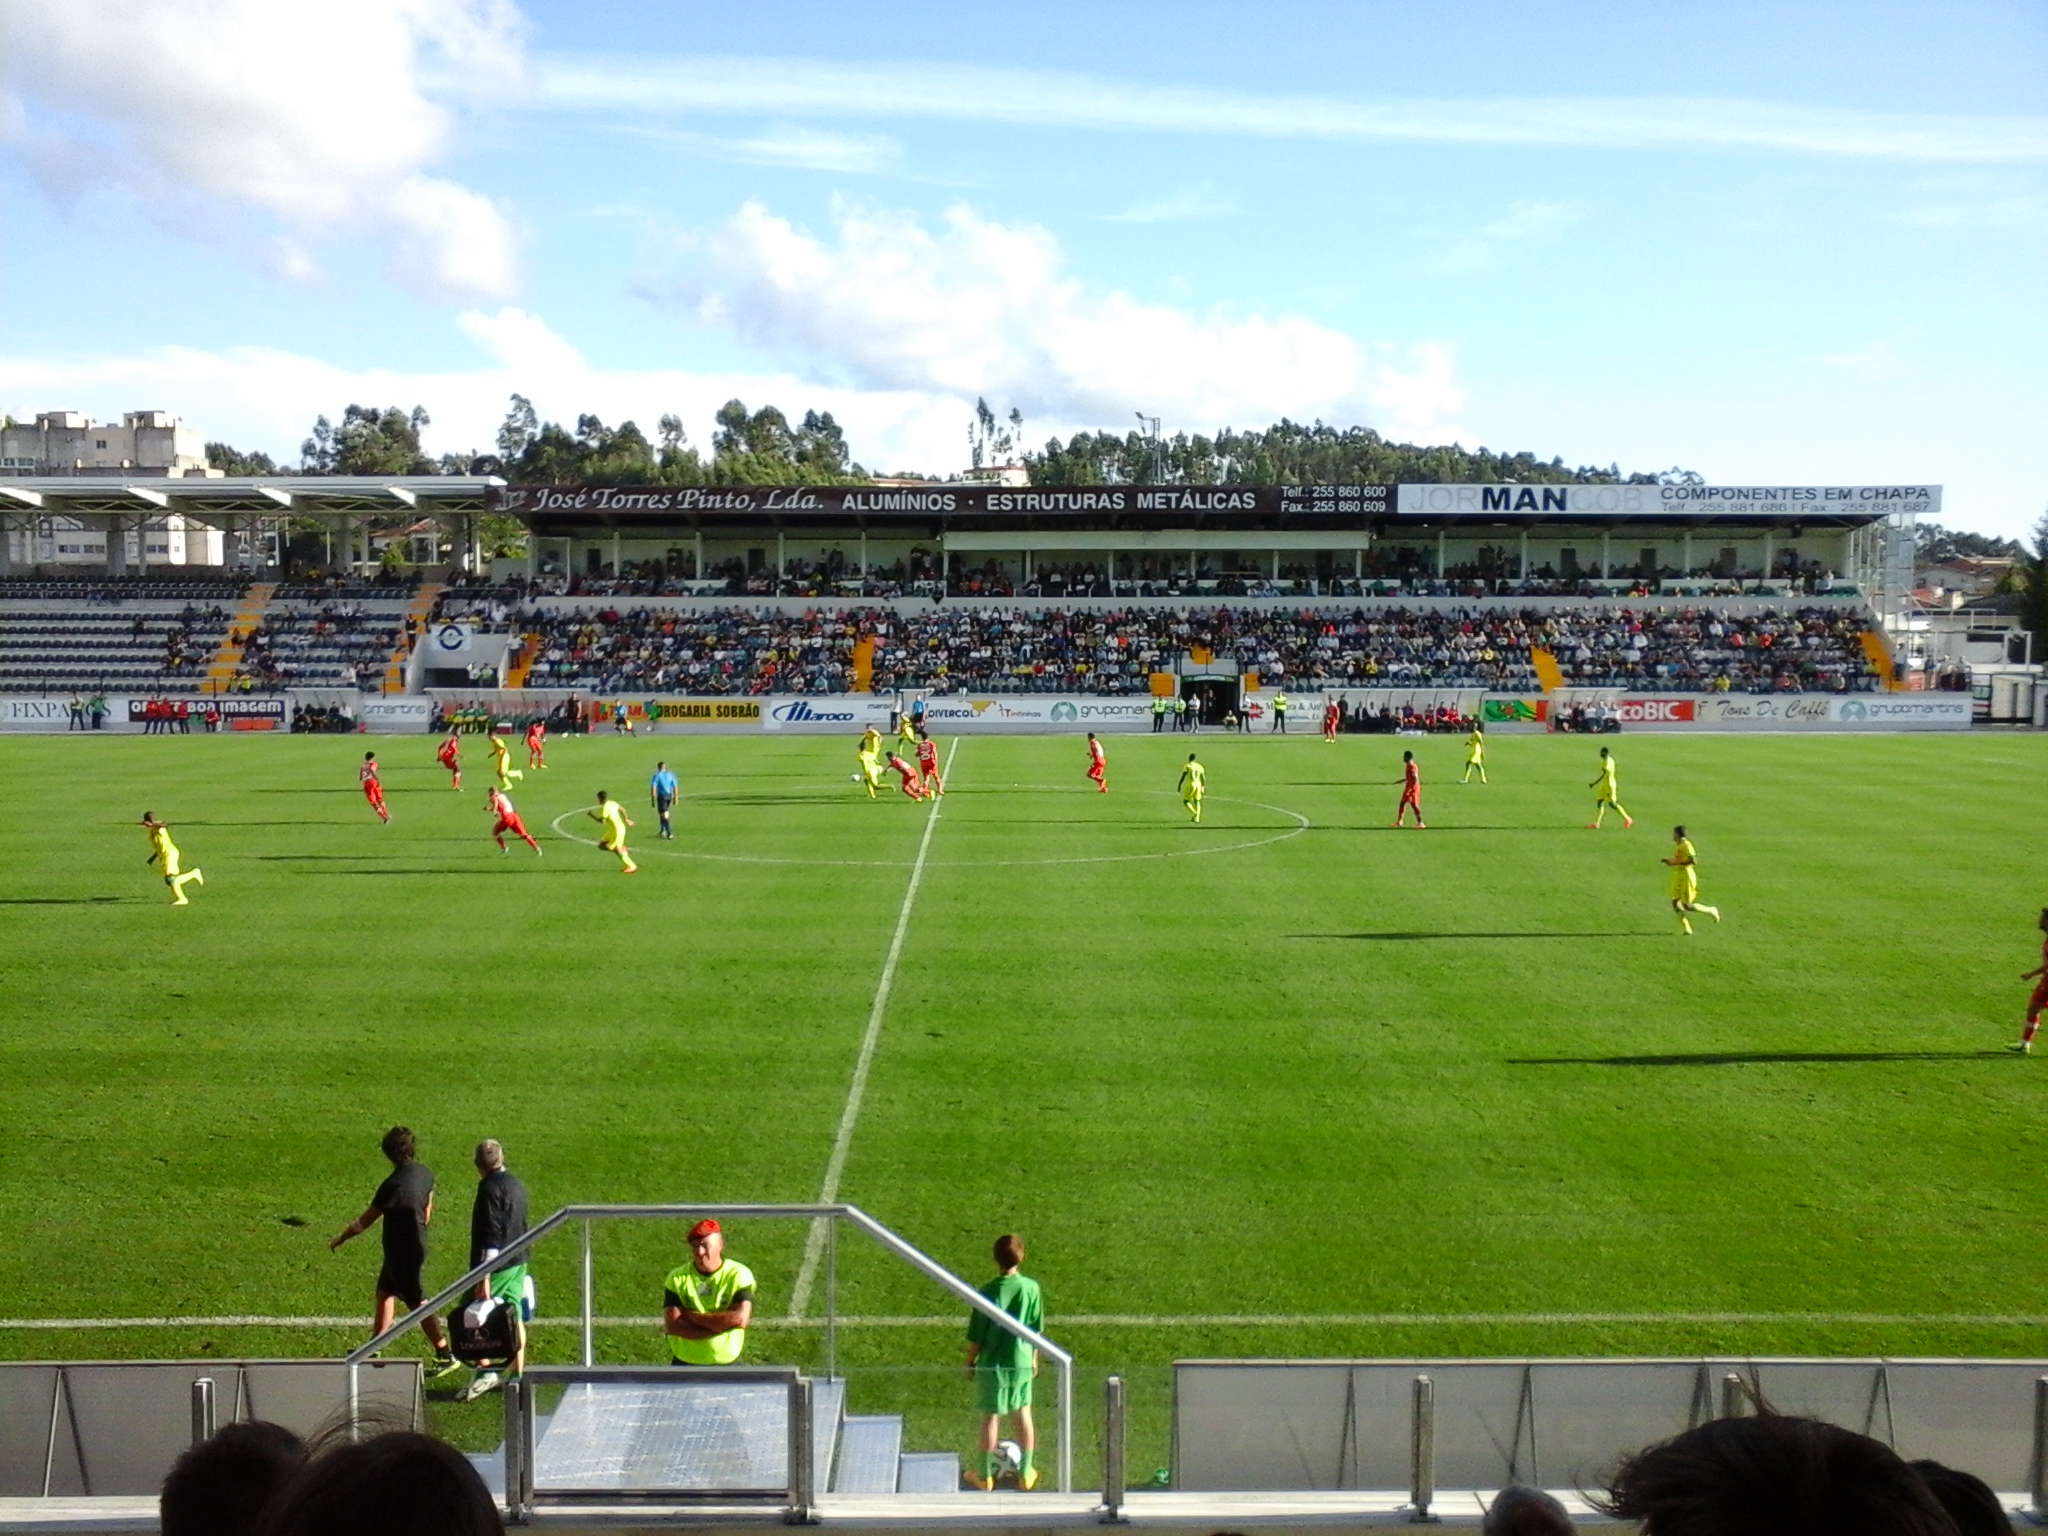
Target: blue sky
x=1773 y=243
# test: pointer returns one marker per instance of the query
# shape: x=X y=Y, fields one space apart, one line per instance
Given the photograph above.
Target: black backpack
x=484 y=1332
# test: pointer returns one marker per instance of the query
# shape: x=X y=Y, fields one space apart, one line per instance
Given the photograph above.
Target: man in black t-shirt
x=405 y=1203
x=496 y=1220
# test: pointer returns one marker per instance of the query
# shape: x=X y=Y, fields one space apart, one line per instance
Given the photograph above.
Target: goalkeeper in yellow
x=1685 y=881
x=1194 y=783
x=1475 y=754
x=164 y=852
x=1606 y=792
x=612 y=821
x=501 y=762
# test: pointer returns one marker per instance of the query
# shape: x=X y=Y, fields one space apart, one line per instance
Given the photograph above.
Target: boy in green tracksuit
x=1002 y=1364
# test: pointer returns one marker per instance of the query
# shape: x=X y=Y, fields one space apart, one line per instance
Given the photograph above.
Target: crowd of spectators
x=735 y=650
x=318 y=719
x=338 y=644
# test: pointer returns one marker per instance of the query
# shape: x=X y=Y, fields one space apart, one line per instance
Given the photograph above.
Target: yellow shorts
x=1685 y=884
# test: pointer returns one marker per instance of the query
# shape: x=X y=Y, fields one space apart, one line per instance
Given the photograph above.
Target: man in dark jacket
x=496 y=1220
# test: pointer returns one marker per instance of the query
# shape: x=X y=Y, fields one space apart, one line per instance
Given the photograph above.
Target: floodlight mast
x=1151 y=425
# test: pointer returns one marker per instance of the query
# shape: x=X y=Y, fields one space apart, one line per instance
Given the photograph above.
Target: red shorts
x=1097 y=770
x=373 y=791
x=510 y=824
x=1412 y=796
x=2038 y=1003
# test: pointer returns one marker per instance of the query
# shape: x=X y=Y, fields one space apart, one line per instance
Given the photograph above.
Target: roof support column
x=347 y=530
x=700 y=554
x=1767 y=554
x=618 y=555
x=1606 y=551
x=1524 y=576
x=117 y=547
x=7 y=542
x=781 y=556
x=1439 y=554
x=863 y=554
x=1687 y=544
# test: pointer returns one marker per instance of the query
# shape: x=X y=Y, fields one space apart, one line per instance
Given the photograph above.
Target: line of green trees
x=759 y=447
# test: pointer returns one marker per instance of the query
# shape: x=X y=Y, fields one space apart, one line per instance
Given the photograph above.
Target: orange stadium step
x=529 y=649
x=247 y=617
x=1548 y=673
x=422 y=605
x=864 y=665
x=1880 y=653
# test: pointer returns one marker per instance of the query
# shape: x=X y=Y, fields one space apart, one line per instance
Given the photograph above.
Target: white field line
x=1142 y=1320
x=849 y=1117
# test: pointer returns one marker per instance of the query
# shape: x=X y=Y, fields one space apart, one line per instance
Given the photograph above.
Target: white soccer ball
x=853 y=778
x=1012 y=1454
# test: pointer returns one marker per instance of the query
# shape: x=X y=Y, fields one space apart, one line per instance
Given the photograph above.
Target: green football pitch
x=1286 y=1083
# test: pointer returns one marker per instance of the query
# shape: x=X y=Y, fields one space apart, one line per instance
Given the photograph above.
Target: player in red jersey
x=913 y=786
x=373 y=788
x=537 y=744
x=500 y=805
x=451 y=757
x=1098 y=765
x=928 y=764
x=1411 y=790
x=2038 y=1003
x=1331 y=717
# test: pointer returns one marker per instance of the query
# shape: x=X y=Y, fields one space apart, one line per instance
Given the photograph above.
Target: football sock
x=1024 y=1466
x=991 y=1463
x=1713 y=912
x=1685 y=923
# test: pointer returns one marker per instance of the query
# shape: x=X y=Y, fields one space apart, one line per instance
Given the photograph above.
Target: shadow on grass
x=494 y=872
x=60 y=901
x=1752 y=1058
x=1635 y=933
x=1463 y=826
x=300 y=821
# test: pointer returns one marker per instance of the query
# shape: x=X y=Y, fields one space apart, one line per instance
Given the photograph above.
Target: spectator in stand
x=395 y=1484
x=1968 y=1499
x=1520 y=1511
x=220 y=1486
x=1774 y=1475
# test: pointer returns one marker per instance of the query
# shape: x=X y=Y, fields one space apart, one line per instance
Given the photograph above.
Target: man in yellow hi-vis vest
x=707 y=1303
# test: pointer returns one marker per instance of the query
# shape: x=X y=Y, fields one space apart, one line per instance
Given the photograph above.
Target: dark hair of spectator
x=397 y=1484
x=1774 y=1475
x=1968 y=1499
x=1522 y=1511
x=400 y=1145
x=1009 y=1251
x=219 y=1487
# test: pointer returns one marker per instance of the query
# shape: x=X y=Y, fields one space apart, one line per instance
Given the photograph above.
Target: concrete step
x=928 y=1472
x=870 y=1446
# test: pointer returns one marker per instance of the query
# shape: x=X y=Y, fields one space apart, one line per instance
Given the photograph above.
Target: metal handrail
x=517 y=1249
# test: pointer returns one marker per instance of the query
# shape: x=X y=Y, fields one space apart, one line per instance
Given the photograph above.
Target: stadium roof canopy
x=211 y=500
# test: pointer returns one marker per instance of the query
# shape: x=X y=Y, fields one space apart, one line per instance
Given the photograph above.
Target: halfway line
x=842 y=1144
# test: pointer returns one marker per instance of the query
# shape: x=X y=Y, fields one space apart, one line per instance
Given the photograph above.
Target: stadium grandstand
x=1104 y=590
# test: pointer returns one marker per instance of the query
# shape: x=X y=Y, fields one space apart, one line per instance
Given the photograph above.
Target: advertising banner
x=39 y=714
x=396 y=715
x=826 y=713
x=1690 y=501
x=1037 y=712
x=1514 y=711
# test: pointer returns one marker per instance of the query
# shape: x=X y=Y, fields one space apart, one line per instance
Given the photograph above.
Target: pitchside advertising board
x=1778 y=712
x=126 y=715
x=1691 y=501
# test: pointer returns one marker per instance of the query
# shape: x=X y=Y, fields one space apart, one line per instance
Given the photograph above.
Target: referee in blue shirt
x=661 y=789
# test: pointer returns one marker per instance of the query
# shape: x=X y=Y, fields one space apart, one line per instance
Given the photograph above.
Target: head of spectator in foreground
x=1009 y=1252
x=1522 y=1511
x=490 y=1157
x=1774 y=1475
x=219 y=1487
x=707 y=1246
x=400 y=1145
x=396 y=1484
x=1968 y=1499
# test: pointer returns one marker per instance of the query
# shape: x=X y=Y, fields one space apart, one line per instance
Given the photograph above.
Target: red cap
x=703 y=1228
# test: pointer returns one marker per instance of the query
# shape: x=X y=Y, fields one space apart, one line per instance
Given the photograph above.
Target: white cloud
x=314 y=115
x=969 y=93
x=264 y=398
x=1197 y=202
x=981 y=308
x=792 y=147
x=1527 y=221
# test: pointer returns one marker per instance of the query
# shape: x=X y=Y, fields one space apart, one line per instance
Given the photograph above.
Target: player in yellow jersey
x=1475 y=753
x=1194 y=783
x=1685 y=881
x=164 y=852
x=612 y=821
x=501 y=762
x=870 y=760
x=871 y=741
x=1606 y=792
x=906 y=730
